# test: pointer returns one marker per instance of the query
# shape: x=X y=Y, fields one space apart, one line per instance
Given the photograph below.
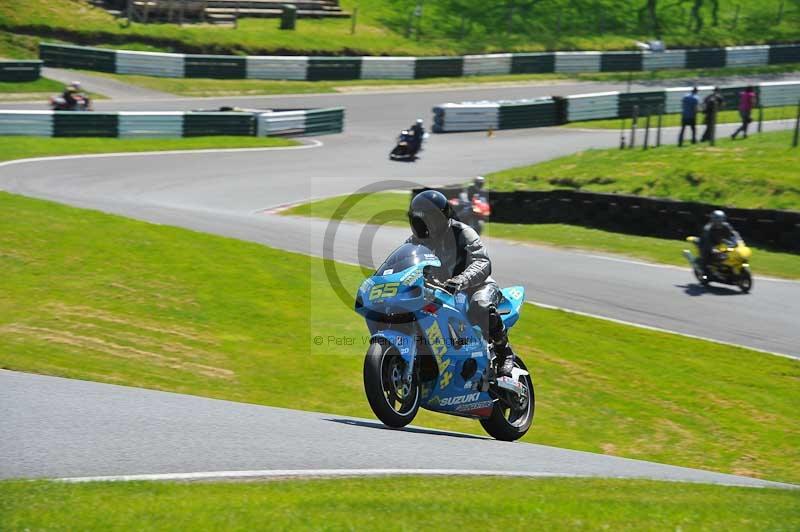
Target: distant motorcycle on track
x=407 y=147
x=425 y=353
x=729 y=265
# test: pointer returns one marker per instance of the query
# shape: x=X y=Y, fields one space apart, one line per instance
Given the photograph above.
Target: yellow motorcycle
x=730 y=264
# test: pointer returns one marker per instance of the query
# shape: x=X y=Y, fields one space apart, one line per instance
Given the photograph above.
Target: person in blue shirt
x=689 y=105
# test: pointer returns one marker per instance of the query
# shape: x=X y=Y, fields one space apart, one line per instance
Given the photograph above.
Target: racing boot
x=504 y=355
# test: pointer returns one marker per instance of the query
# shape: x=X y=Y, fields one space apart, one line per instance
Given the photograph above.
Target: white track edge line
x=659 y=329
x=339 y=473
x=313 y=143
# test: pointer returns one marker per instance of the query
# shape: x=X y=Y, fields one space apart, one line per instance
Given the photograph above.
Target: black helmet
x=718 y=217
x=429 y=214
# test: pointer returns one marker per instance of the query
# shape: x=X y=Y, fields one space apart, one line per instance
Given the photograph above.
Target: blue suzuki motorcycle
x=424 y=352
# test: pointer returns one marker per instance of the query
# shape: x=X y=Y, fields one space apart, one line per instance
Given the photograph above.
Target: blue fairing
x=404 y=312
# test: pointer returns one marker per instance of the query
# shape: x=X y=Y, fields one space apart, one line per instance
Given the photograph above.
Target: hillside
x=387 y=27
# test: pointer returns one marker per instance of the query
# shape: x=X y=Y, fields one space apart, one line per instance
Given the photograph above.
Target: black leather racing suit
x=462 y=253
x=712 y=236
x=419 y=133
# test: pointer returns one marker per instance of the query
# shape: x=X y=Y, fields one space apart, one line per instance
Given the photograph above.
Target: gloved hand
x=456 y=284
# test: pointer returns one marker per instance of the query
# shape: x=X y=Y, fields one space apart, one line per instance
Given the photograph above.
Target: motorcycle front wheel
x=394 y=400
x=509 y=423
x=745 y=282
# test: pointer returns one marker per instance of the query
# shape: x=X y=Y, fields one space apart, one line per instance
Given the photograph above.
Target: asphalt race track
x=73 y=428
x=60 y=428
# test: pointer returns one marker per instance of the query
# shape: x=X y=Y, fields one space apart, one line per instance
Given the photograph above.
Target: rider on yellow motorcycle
x=715 y=232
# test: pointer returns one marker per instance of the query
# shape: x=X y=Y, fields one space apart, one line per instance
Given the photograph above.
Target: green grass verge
x=94 y=296
x=198 y=87
x=759 y=172
x=41 y=86
x=446 y=28
x=409 y=503
x=672 y=120
x=25 y=147
x=383 y=207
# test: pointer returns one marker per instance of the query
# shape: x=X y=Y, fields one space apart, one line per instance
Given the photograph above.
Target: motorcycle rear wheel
x=394 y=401
x=507 y=424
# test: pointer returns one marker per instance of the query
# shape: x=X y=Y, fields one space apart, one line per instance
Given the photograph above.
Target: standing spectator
x=689 y=105
x=747 y=100
x=711 y=106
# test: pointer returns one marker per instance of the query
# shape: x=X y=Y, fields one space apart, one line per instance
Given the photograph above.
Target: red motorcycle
x=473 y=212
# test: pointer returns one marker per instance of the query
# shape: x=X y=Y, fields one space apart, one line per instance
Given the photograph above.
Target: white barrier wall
x=281 y=123
x=467 y=116
x=150 y=64
x=275 y=67
x=746 y=55
x=670 y=59
x=592 y=106
x=388 y=67
x=150 y=125
x=487 y=65
x=26 y=123
x=779 y=93
x=573 y=62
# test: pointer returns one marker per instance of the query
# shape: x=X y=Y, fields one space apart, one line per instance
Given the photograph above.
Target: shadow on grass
x=415 y=430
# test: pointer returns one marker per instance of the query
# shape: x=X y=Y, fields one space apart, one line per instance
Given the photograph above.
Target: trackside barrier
x=16 y=71
x=346 y=68
x=638 y=215
x=300 y=122
x=542 y=112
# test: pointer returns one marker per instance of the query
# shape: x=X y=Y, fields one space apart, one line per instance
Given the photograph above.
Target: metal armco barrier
x=638 y=215
x=16 y=71
x=543 y=112
x=299 y=122
x=346 y=68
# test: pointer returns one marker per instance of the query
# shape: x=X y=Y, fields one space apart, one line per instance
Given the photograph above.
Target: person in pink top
x=747 y=101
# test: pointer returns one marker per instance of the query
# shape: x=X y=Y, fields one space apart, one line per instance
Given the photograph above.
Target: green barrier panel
x=784 y=54
x=208 y=124
x=17 y=71
x=438 y=67
x=621 y=62
x=324 y=122
x=533 y=63
x=66 y=56
x=648 y=103
x=527 y=115
x=215 y=66
x=333 y=68
x=84 y=124
x=730 y=97
x=705 y=58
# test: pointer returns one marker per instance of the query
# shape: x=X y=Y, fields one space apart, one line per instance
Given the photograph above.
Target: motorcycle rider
x=466 y=265
x=716 y=231
x=74 y=97
x=418 y=130
x=477 y=186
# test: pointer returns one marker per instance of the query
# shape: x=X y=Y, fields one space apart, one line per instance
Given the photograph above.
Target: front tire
x=394 y=401
x=507 y=424
x=745 y=282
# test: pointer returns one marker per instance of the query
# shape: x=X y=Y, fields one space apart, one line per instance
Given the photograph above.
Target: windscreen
x=404 y=257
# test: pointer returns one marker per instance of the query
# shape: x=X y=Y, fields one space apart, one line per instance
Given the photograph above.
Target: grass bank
x=410 y=503
x=759 y=172
x=41 y=89
x=99 y=297
x=25 y=147
x=672 y=120
x=445 y=28
x=568 y=236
